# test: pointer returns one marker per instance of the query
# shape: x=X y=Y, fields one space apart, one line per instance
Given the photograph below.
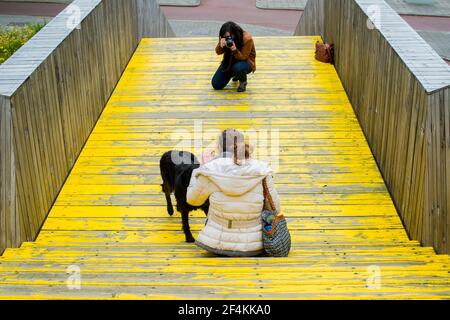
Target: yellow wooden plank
x=304 y=223
x=320 y=210
x=303 y=237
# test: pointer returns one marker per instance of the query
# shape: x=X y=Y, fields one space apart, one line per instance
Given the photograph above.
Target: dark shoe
x=235 y=79
x=242 y=86
x=189 y=238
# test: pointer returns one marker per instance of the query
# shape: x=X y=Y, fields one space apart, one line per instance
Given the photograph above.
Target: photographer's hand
x=223 y=42
x=233 y=47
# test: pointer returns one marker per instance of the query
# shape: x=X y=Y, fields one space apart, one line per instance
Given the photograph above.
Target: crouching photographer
x=239 y=56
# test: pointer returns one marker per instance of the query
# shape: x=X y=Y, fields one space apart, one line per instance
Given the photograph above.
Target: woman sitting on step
x=233 y=184
x=239 y=56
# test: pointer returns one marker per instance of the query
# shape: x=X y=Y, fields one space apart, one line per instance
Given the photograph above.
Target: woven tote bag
x=277 y=241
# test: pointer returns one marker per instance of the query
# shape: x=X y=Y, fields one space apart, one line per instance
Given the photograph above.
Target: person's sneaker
x=235 y=79
x=242 y=86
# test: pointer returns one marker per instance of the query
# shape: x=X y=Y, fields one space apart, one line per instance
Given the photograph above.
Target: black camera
x=229 y=41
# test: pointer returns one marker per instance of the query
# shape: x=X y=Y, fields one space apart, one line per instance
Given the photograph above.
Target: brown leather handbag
x=325 y=52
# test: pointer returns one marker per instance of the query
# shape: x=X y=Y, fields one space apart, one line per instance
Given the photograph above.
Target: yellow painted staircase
x=108 y=234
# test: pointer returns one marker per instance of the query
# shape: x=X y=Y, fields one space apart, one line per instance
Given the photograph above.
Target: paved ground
x=188 y=28
x=20 y=20
x=281 y=4
x=187 y=3
x=439 y=41
x=39 y=1
x=30 y=9
x=180 y=3
x=428 y=23
x=241 y=11
x=438 y=8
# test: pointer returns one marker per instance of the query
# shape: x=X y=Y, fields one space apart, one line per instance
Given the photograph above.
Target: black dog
x=176 y=170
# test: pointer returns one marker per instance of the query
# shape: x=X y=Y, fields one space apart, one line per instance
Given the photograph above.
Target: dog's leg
x=169 y=205
x=168 y=199
x=186 y=228
x=205 y=207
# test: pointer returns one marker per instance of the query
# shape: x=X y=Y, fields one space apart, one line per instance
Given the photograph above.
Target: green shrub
x=12 y=38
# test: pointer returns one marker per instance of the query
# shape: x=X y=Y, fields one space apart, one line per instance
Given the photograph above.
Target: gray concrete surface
x=191 y=28
x=440 y=8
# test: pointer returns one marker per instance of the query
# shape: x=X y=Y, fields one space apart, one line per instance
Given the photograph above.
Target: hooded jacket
x=235 y=193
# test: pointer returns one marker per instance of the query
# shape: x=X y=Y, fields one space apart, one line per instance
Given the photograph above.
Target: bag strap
x=267 y=195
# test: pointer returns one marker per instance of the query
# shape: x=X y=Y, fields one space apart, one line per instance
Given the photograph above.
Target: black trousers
x=239 y=69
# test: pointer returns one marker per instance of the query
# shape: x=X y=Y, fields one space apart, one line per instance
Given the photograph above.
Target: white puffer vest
x=235 y=193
